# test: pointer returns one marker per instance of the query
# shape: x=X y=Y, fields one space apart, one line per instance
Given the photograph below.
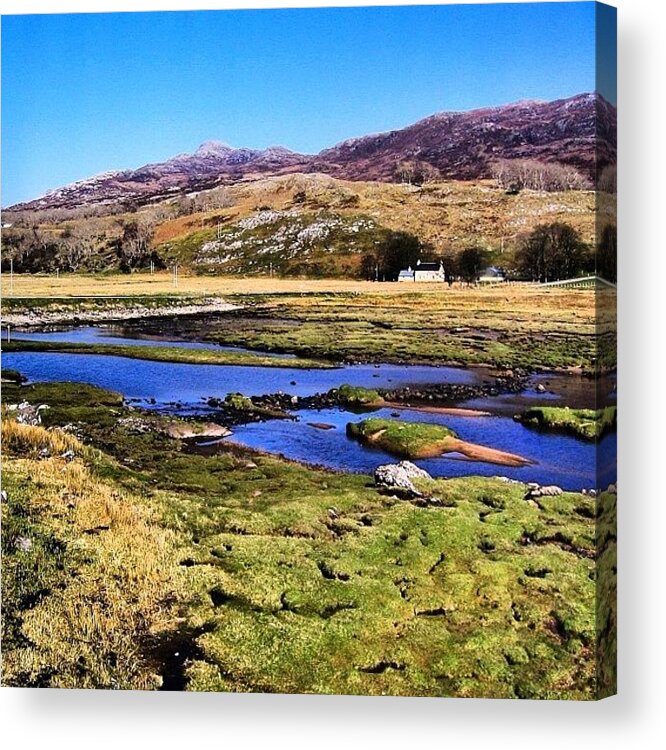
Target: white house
x=429 y=272
x=423 y=272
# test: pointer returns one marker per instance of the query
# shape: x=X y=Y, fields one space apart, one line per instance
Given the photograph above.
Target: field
x=262 y=574
x=40 y=286
x=508 y=325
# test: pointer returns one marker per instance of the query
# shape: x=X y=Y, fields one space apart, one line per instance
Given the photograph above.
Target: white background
x=634 y=719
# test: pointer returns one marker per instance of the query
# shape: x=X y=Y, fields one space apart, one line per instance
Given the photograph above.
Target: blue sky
x=89 y=92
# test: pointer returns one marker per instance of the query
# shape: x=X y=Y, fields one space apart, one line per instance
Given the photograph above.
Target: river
x=184 y=389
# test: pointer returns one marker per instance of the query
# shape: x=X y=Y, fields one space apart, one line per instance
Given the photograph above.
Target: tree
x=551 y=252
x=134 y=242
x=471 y=262
x=399 y=250
x=78 y=243
x=416 y=172
x=607 y=182
x=369 y=266
x=606 y=260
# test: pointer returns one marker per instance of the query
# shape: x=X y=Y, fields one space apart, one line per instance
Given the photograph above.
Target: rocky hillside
x=322 y=226
x=579 y=131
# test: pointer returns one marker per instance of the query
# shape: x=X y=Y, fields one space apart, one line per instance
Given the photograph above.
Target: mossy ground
x=164 y=354
x=508 y=327
x=301 y=580
x=244 y=405
x=590 y=424
x=10 y=376
x=517 y=325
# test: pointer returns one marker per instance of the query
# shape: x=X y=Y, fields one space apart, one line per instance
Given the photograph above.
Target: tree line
x=90 y=245
x=514 y=175
x=550 y=252
x=402 y=250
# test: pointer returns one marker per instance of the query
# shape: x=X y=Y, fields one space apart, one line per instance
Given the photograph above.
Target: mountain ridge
x=578 y=131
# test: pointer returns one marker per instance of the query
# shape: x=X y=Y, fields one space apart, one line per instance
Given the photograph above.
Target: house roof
x=492 y=271
x=428 y=267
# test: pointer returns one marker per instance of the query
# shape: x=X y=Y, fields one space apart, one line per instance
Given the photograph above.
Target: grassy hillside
x=293 y=225
x=317 y=224
x=287 y=242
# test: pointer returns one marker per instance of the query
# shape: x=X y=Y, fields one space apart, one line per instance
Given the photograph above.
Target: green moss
x=405 y=439
x=412 y=328
x=359 y=396
x=164 y=354
x=606 y=592
x=239 y=402
x=585 y=423
x=62 y=395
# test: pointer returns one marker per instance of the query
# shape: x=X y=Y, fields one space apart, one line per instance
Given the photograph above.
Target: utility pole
x=11 y=276
x=9 y=335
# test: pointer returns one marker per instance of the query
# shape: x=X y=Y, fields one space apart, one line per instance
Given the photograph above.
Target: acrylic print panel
x=331 y=416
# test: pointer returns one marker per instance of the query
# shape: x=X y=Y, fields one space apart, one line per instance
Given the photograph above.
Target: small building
x=429 y=272
x=423 y=272
x=492 y=275
x=406 y=275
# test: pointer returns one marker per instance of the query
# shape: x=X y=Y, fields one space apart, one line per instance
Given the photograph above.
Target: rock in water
x=399 y=476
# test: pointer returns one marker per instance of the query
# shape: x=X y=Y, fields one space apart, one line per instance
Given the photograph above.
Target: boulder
x=27 y=414
x=399 y=476
x=536 y=490
x=185 y=430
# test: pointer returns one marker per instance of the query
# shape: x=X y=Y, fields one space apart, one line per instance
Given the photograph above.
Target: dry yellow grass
x=25 y=440
x=144 y=284
x=91 y=621
x=446 y=214
x=138 y=284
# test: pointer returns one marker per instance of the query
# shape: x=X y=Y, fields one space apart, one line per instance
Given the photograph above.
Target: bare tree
x=519 y=174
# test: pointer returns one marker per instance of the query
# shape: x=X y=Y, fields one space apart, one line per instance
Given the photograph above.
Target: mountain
x=463 y=145
x=579 y=131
